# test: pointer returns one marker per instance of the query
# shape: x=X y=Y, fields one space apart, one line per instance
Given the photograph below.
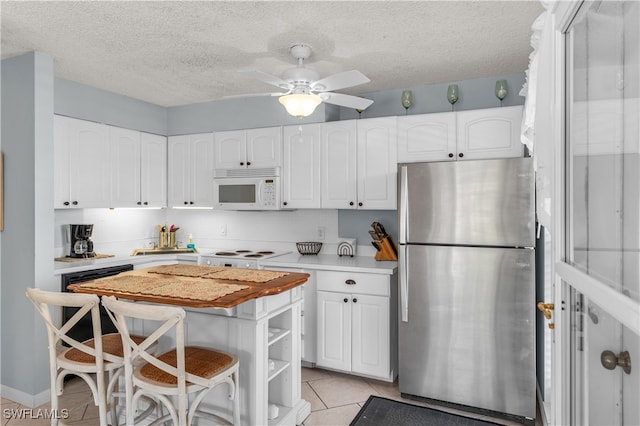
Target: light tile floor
x=335 y=400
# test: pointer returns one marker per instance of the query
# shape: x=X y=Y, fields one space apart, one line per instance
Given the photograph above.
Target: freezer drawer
x=484 y=203
x=469 y=331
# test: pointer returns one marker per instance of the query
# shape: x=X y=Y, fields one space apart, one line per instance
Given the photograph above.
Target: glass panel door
x=601 y=265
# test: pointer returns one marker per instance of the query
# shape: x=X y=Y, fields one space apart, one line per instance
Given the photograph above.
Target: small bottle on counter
x=190 y=244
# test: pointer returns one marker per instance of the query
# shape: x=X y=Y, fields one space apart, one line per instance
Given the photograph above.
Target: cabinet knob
x=461 y=155
x=360 y=204
x=346 y=300
x=350 y=203
x=248 y=163
x=190 y=202
x=186 y=202
x=355 y=300
x=242 y=163
x=146 y=203
x=66 y=203
x=139 y=203
x=75 y=203
x=350 y=282
x=451 y=155
x=284 y=203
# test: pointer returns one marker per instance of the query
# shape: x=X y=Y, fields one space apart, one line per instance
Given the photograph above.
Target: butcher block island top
x=193 y=286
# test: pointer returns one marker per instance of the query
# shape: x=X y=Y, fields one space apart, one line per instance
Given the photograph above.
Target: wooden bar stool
x=178 y=372
x=97 y=356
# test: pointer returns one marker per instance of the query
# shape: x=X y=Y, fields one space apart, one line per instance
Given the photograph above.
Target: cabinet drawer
x=373 y=284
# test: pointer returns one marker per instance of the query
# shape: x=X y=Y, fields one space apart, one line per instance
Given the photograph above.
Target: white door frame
x=622 y=308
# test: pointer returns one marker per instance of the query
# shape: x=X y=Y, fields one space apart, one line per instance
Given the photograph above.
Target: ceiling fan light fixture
x=300 y=104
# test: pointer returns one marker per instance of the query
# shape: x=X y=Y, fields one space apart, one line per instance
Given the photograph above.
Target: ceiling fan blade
x=250 y=95
x=267 y=78
x=347 y=101
x=340 y=81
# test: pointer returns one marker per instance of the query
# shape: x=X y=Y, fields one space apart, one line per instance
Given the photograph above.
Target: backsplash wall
x=122 y=230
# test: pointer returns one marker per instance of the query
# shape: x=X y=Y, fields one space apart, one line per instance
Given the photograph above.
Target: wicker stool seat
x=111 y=344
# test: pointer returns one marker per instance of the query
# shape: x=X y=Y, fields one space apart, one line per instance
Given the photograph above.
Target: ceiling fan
x=303 y=90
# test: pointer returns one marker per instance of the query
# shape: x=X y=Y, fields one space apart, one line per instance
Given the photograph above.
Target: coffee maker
x=80 y=241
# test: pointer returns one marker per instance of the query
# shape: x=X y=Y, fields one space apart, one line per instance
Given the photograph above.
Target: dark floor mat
x=379 y=411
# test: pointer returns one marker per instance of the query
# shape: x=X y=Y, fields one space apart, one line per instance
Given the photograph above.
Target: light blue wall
x=476 y=93
x=27 y=240
x=88 y=103
x=235 y=113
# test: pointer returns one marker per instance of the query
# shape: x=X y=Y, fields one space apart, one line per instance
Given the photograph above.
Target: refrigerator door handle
x=404 y=284
x=403 y=205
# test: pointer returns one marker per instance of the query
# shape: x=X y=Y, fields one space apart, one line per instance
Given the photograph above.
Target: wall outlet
x=223 y=230
x=320 y=231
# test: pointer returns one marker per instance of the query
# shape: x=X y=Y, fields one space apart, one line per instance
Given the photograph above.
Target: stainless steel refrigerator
x=466 y=271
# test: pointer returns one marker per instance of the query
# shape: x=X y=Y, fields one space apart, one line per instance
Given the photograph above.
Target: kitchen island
x=254 y=314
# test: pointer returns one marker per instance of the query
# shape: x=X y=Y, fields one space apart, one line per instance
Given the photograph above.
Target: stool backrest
x=171 y=317
x=45 y=301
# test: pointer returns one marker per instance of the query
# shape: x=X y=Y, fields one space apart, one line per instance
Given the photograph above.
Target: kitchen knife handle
x=403 y=271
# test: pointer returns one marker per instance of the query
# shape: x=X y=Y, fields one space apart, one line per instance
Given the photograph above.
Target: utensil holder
x=167 y=240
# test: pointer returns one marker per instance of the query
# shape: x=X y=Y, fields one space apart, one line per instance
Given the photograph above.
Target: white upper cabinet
x=426 y=137
x=377 y=163
x=153 y=170
x=190 y=171
x=490 y=133
x=301 y=167
x=253 y=148
x=464 y=135
x=82 y=171
x=338 y=165
x=124 y=159
x=96 y=165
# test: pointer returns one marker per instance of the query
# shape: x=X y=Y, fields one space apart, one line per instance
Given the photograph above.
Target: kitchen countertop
x=292 y=260
x=333 y=263
x=131 y=285
x=119 y=259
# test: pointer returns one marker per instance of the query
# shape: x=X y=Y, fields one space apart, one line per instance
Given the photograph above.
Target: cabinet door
x=88 y=165
x=338 y=165
x=427 y=137
x=178 y=171
x=153 y=170
x=201 y=163
x=264 y=147
x=61 y=161
x=301 y=171
x=230 y=149
x=490 y=133
x=370 y=335
x=334 y=330
x=377 y=164
x=124 y=161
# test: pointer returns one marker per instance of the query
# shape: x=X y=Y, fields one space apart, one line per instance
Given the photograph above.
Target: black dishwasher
x=83 y=330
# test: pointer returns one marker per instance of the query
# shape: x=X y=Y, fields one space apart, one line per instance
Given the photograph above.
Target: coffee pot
x=80 y=241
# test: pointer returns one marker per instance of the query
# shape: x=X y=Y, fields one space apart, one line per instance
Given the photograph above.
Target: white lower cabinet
x=357 y=319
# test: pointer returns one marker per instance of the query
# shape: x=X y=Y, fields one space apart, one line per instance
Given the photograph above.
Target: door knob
x=610 y=361
x=546 y=309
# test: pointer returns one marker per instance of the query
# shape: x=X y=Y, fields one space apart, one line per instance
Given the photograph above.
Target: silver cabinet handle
x=350 y=282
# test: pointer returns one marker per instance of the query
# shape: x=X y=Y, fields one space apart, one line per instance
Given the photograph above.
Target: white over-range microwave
x=247 y=189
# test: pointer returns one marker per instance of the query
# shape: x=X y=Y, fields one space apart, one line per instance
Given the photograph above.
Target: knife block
x=388 y=249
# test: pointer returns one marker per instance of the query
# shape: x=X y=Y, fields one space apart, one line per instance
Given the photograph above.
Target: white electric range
x=238 y=258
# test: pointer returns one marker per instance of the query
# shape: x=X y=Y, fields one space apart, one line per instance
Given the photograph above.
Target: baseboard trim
x=23 y=398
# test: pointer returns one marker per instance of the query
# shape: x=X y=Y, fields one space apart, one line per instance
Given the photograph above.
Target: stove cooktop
x=244 y=253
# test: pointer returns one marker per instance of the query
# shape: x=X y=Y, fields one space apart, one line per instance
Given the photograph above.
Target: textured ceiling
x=174 y=53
